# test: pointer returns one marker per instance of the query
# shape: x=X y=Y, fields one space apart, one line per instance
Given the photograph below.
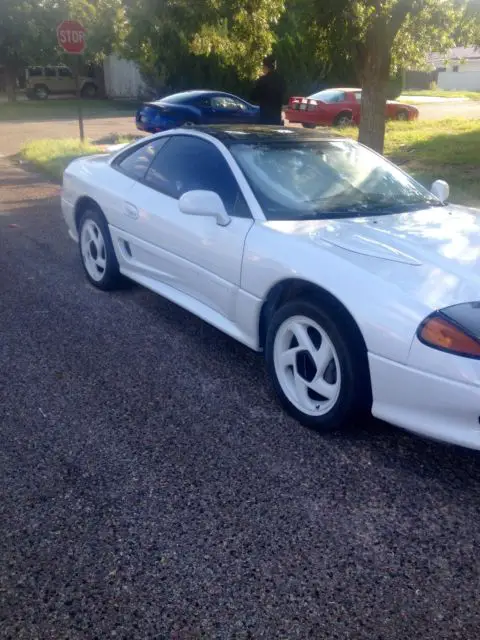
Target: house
x=458 y=70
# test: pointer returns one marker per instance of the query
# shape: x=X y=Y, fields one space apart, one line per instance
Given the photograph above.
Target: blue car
x=195 y=107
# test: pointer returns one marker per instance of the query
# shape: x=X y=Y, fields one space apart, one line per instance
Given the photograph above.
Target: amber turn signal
x=442 y=334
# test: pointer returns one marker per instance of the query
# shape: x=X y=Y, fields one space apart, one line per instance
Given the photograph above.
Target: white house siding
x=466 y=78
x=466 y=81
x=122 y=78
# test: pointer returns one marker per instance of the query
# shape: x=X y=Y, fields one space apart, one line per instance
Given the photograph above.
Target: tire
x=402 y=115
x=343 y=119
x=341 y=368
x=309 y=125
x=41 y=92
x=89 y=90
x=96 y=251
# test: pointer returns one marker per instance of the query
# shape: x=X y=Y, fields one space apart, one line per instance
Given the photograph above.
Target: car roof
x=231 y=134
x=191 y=95
x=349 y=89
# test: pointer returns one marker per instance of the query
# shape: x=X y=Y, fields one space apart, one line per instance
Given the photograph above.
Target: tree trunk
x=372 y=122
x=11 y=84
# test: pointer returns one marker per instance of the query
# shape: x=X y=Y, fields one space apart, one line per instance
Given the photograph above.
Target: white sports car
x=361 y=287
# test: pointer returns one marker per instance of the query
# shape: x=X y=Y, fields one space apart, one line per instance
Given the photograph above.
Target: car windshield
x=325 y=179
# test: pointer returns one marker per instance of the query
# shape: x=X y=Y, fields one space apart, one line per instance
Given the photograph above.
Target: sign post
x=71 y=38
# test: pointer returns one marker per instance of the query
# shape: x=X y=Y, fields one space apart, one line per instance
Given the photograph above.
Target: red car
x=340 y=108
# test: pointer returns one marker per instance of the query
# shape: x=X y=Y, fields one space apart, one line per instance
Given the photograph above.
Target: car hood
x=439 y=244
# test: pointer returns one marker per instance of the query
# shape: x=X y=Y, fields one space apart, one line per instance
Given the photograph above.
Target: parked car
x=340 y=108
x=361 y=287
x=56 y=80
x=195 y=107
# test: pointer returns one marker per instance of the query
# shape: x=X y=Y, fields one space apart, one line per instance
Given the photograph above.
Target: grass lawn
x=36 y=110
x=446 y=149
x=441 y=93
x=52 y=156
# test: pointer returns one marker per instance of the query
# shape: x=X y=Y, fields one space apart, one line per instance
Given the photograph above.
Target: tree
x=381 y=35
x=28 y=31
x=27 y=35
x=104 y=21
x=307 y=59
x=184 y=43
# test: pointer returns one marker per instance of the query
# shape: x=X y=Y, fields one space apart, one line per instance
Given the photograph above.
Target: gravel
x=150 y=486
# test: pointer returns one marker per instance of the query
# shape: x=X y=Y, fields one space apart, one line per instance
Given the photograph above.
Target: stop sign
x=71 y=36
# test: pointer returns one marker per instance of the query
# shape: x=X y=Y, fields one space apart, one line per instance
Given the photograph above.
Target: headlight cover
x=454 y=329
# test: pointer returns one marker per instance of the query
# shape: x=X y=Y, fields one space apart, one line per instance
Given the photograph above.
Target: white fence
x=122 y=78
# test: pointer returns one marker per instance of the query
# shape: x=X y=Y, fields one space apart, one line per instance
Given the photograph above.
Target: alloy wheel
x=307 y=365
x=92 y=245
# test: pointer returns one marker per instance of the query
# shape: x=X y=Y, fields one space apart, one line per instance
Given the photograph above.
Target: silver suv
x=56 y=80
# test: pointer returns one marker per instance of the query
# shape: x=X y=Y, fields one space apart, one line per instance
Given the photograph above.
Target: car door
x=51 y=79
x=192 y=254
x=245 y=113
x=66 y=81
x=127 y=168
x=226 y=110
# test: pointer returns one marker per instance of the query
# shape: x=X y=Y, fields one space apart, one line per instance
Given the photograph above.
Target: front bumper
x=428 y=404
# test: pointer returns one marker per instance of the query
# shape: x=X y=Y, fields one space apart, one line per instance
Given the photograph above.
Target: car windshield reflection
x=309 y=180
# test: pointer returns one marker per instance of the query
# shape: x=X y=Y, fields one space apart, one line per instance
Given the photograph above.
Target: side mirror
x=204 y=203
x=441 y=190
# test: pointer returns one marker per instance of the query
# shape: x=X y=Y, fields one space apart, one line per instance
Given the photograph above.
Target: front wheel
x=402 y=116
x=317 y=368
x=309 y=125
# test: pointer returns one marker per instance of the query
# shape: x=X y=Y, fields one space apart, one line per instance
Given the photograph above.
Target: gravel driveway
x=150 y=487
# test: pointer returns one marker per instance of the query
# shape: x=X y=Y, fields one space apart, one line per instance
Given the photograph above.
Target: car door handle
x=131 y=211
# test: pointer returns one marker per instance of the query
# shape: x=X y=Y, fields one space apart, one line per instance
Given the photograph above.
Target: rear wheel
x=343 y=120
x=89 y=90
x=309 y=125
x=41 y=92
x=319 y=371
x=97 y=252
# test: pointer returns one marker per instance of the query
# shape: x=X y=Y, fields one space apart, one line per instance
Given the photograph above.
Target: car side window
x=358 y=96
x=35 y=71
x=202 y=102
x=50 y=72
x=136 y=163
x=188 y=163
x=224 y=103
x=64 y=72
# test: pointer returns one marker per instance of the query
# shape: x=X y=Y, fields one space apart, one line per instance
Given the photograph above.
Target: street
x=151 y=487
x=14 y=134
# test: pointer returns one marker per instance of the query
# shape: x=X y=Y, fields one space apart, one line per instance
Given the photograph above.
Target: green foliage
x=104 y=21
x=28 y=28
x=27 y=32
x=208 y=43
